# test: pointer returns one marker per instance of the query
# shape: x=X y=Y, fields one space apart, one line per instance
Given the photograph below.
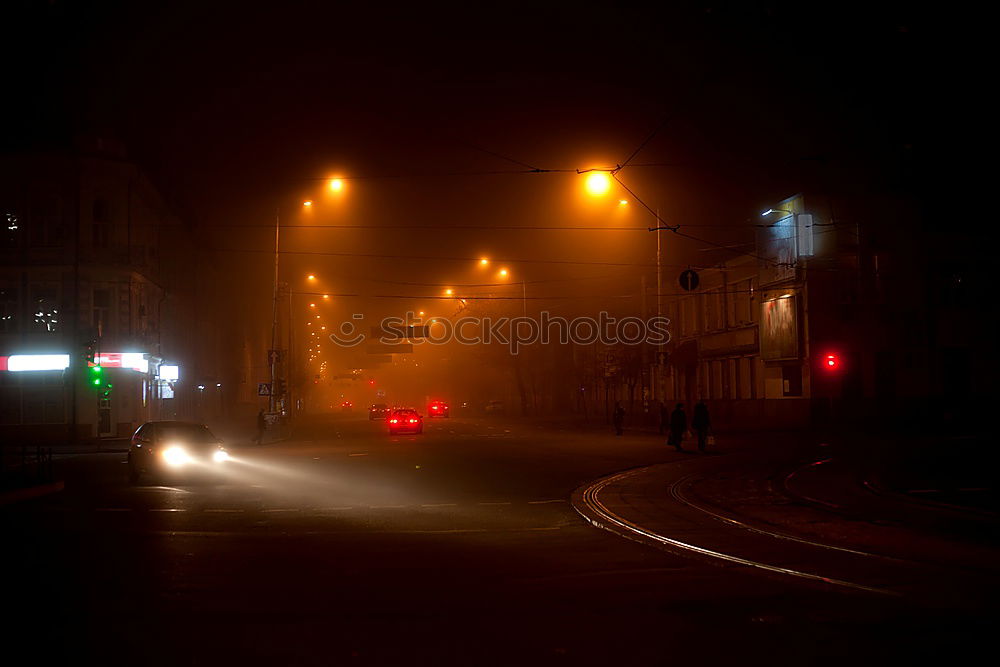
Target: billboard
x=779 y=330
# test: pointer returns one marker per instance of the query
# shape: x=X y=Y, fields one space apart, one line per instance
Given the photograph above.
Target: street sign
x=689 y=280
x=263 y=388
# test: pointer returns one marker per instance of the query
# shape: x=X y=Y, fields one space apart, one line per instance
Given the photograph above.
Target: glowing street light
x=484 y=261
x=336 y=184
x=598 y=183
x=307 y=203
x=449 y=292
x=312 y=305
x=311 y=276
x=503 y=273
x=623 y=202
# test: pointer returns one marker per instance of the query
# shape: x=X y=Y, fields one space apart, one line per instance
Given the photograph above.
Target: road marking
x=386 y=507
x=440 y=505
x=282 y=510
x=167 y=509
x=364 y=454
x=334 y=509
x=543 y=502
x=591 y=500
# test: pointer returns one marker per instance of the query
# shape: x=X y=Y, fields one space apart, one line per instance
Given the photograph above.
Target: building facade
x=91 y=259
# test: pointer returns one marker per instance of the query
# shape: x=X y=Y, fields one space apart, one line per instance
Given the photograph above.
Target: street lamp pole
x=658 y=366
x=272 y=353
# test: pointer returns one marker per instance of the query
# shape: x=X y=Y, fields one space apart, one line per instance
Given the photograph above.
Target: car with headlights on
x=174 y=449
x=405 y=421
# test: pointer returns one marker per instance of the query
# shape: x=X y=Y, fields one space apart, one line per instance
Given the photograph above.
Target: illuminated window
x=45 y=315
x=8 y=309
x=10 y=233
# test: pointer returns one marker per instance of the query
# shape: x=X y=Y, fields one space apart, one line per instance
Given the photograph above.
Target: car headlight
x=176 y=456
x=220 y=455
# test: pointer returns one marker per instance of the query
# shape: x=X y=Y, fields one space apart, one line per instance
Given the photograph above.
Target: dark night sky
x=233 y=108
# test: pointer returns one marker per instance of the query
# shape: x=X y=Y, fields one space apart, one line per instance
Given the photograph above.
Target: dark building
x=91 y=256
x=847 y=319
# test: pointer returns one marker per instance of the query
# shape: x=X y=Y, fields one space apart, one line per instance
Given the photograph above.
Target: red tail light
x=413 y=421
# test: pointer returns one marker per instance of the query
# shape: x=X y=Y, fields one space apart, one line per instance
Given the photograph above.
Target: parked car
x=437 y=409
x=378 y=411
x=405 y=421
x=175 y=449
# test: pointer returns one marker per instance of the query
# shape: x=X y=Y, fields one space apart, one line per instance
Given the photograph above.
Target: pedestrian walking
x=700 y=422
x=664 y=418
x=678 y=424
x=261 y=426
x=618 y=417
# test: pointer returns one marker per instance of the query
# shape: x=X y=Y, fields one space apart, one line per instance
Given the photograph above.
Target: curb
x=31 y=492
x=880 y=490
x=875 y=488
x=586 y=504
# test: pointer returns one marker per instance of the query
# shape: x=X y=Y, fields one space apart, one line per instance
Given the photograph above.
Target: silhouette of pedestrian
x=700 y=422
x=678 y=424
x=261 y=426
x=618 y=417
x=664 y=417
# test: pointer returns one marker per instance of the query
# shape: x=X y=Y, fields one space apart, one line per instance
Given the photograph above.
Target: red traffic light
x=831 y=362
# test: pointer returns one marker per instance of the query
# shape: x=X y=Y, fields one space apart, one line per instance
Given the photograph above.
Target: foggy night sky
x=234 y=109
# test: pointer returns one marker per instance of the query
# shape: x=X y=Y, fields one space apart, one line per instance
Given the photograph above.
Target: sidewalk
x=761 y=507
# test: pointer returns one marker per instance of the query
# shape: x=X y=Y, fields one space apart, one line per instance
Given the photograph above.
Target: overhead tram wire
x=446 y=259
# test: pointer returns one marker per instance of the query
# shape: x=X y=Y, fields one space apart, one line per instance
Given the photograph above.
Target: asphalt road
x=344 y=545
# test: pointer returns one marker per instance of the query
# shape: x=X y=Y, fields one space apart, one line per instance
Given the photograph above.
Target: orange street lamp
x=598 y=183
x=449 y=292
x=307 y=203
x=311 y=276
x=484 y=261
x=336 y=184
x=503 y=273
